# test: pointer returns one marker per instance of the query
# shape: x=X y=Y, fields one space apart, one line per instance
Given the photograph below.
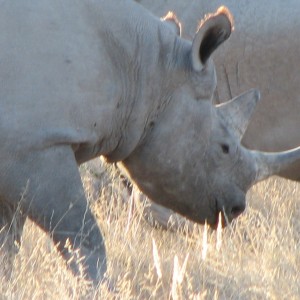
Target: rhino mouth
x=213 y=220
x=226 y=215
x=220 y=216
x=225 y=220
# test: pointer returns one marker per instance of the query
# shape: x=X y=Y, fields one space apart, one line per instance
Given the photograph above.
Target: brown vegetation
x=257 y=257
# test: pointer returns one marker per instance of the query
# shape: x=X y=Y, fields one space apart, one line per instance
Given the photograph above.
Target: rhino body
x=263 y=52
x=80 y=79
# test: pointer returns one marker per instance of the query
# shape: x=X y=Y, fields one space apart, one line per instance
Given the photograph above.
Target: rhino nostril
x=237 y=210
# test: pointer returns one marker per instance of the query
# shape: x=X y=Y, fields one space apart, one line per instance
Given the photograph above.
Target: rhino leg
x=54 y=199
x=11 y=226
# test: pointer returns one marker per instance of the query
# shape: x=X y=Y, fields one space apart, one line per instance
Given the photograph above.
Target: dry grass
x=256 y=258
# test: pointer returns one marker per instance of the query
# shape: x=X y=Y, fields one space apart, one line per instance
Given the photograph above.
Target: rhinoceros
x=80 y=79
x=263 y=52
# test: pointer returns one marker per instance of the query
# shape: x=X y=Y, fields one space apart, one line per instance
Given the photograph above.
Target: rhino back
x=50 y=71
x=61 y=68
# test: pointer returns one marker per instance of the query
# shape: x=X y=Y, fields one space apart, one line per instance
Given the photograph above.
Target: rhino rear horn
x=213 y=31
x=238 y=111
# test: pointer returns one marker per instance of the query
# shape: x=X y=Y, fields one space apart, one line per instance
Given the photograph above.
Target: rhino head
x=192 y=160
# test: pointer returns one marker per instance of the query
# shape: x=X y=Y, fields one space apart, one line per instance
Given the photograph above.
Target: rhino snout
x=236 y=210
x=231 y=208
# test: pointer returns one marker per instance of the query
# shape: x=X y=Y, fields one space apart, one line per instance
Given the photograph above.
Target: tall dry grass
x=256 y=258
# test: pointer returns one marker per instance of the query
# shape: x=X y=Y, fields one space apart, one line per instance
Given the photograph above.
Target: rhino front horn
x=268 y=164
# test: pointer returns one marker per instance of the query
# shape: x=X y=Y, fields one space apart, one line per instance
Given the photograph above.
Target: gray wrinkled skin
x=80 y=79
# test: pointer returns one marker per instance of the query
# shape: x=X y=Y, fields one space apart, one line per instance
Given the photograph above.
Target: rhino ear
x=213 y=31
x=238 y=111
x=171 y=19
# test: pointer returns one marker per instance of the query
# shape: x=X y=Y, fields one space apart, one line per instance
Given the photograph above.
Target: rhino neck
x=141 y=57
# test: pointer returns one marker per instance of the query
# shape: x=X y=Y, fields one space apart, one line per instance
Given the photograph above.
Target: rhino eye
x=225 y=148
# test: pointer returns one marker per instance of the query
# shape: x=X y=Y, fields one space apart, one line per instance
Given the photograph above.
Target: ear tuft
x=173 y=22
x=222 y=10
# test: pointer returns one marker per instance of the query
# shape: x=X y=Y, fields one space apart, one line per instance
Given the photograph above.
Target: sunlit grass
x=257 y=257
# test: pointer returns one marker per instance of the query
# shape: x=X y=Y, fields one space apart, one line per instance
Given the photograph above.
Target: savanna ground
x=256 y=258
